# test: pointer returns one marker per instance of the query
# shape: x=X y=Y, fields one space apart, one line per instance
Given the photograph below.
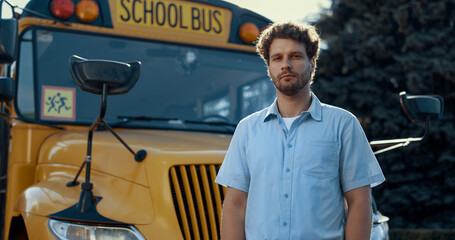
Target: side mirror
x=91 y=75
x=8 y=40
x=106 y=78
x=420 y=107
x=7 y=89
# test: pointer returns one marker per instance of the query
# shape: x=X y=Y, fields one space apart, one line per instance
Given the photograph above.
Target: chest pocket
x=318 y=159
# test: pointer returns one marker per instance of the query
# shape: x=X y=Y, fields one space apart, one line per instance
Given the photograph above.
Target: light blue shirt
x=296 y=179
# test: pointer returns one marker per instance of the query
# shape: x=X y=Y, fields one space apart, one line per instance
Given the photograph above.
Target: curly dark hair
x=305 y=34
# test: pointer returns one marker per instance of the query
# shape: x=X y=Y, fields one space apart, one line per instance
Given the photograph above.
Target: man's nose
x=286 y=64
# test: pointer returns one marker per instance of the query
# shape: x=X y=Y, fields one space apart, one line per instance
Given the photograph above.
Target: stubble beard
x=291 y=88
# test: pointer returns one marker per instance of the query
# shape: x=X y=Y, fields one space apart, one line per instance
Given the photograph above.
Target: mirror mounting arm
x=139 y=156
x=103 y=106
x=403 y=142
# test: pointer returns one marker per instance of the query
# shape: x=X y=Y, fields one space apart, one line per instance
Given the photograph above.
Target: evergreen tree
x=374 y=50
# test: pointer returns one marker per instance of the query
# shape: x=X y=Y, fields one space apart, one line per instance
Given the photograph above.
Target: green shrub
x=373 y=51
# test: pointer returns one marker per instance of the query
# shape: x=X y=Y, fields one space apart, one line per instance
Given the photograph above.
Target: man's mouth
x=286 y=75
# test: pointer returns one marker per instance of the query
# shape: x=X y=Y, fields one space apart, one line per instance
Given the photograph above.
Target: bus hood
x=132 y=192
x=111 y=157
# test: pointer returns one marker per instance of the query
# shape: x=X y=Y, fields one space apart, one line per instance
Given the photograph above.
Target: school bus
x=179 y=75
x=199 y=76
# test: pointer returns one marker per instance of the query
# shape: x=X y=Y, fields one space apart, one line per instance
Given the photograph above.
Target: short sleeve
x=234 y=170
x=358 y=164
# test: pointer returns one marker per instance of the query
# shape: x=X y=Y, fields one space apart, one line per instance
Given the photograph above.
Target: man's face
x=289 y=66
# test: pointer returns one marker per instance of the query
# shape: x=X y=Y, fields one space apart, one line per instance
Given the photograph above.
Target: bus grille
x=197 y=200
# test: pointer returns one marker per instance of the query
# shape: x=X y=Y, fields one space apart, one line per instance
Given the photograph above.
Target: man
x=291 y=166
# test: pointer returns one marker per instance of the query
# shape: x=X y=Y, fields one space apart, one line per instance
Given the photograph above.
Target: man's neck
x=293 y=106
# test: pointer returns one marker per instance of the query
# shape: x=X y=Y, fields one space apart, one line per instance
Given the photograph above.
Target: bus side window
x=25 y=89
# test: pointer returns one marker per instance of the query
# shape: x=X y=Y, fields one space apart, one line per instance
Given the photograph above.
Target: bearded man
x=291 y=167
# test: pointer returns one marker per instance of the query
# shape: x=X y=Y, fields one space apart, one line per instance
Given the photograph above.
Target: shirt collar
x=315 y=109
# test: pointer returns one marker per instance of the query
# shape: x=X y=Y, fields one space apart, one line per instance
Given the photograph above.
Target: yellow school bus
x=199 y=76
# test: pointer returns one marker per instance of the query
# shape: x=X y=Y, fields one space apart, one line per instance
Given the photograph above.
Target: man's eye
x=276 y=59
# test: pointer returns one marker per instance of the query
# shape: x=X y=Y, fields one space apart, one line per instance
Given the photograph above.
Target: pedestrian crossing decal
x=58 y=103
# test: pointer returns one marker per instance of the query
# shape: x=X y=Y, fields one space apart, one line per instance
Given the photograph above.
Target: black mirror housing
x=7 y=89
x=91 y=75
x=8 y=40
x=419 y=107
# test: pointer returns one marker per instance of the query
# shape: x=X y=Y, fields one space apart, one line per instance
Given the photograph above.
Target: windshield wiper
x=127 y=119
x=216 y=123
x=8 y=116
x=39 y=123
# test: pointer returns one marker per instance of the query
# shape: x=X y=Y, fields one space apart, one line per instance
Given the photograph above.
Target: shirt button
x=288 y=170
x=285 y=224
x=289 y=145
x=286 y=195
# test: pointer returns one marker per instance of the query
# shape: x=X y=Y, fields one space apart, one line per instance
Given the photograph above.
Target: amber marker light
x=87 y=11
x=62 y=9
x=249 y=32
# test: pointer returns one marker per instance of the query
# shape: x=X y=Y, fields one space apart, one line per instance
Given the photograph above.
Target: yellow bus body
x=147 y=194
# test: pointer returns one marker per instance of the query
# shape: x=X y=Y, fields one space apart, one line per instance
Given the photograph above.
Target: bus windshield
x=177 y=82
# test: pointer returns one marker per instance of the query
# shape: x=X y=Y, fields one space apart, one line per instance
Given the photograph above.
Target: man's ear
x=268 y=72
x=313 y=64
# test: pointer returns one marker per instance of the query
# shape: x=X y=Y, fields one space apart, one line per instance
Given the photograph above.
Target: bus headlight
x=76 y=231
